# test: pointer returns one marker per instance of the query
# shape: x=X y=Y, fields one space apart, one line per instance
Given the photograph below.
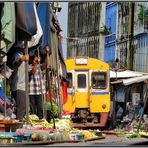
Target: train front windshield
x=99 y=80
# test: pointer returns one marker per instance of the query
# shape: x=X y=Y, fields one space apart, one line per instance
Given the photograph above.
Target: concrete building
x=141 y=37
x=122 y=36
x=110 y=37
x=110 y=30
x=83 y=29
x=132 y=35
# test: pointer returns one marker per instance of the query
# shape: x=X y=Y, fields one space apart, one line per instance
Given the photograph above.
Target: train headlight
x=104 y=106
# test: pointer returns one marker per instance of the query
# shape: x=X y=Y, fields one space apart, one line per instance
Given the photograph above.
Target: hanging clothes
x=26 y=25
x=7 y=37
x=36 y=38
x=64 y=92
x=2 y=98
x=43 y=11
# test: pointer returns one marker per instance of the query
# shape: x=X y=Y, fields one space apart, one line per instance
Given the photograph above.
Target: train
x=88 y=87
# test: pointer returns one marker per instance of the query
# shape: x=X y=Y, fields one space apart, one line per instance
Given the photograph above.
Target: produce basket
x=7 y=140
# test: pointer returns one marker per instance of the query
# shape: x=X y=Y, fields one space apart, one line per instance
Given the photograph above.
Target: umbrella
x=36 y=38
x=43 y=11
x=44 y=17
x=26 y=25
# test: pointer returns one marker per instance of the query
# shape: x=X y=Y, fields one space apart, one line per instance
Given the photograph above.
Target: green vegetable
x=134 y=135
x=53 y=108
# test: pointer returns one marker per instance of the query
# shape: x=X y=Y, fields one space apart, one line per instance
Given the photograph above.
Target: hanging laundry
x=64 y=92
x=43 y=11
x=7 y=37
x=2 y=98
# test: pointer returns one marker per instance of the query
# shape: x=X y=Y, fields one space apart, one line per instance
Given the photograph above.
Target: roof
x=125 y=74
x=117 y=81
x=128 y=77
x=135 y=80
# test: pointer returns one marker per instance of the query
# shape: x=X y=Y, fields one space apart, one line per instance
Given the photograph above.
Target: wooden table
x=7 y=126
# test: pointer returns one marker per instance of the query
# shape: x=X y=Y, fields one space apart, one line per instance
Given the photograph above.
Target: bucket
x=19 y=138
x=77 y=137
x=27 y=137
x=80 y=137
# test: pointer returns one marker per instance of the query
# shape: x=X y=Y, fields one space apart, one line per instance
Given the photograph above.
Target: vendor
x=18 y=81
x=140 y=111
x=119 y=113
x=36 y=87
x=130 y=114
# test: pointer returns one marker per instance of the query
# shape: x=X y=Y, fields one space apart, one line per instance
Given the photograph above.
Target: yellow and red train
x=88 y=91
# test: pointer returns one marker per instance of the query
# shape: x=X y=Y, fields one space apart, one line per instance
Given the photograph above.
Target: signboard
x=135 y=98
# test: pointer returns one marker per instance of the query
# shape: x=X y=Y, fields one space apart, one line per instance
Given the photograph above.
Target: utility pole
x=130 y=50
x=101 y=37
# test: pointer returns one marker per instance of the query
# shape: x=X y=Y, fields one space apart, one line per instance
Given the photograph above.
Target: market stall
x=41 y=131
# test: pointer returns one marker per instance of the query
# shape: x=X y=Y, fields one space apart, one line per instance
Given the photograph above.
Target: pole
x=4 y=60
x=114 y=106
x=146 y=98
x=58 y=81
x=26 y=85
x=49 y=88
x=130 y=51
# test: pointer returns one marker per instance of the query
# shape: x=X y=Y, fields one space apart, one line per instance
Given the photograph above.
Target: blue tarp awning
x=43 y=11
x=26 y=25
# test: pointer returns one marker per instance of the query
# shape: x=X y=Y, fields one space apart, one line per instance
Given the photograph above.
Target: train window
x=69 y=80
x=81 y=81
x=99 y=80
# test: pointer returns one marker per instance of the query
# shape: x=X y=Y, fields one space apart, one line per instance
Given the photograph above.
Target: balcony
x=110 y=38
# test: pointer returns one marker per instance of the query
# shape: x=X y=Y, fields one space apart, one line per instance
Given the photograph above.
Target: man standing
x=36 y=87
x=18 y=82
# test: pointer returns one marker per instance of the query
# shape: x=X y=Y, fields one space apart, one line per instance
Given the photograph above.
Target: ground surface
x=110 y=140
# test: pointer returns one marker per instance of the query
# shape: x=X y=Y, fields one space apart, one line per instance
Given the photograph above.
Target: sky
x=62 y=17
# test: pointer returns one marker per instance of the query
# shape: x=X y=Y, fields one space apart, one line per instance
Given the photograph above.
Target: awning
x=43 y=11
x=26 y=25
x=125 y=74
x=117 y=81
x=135 y=80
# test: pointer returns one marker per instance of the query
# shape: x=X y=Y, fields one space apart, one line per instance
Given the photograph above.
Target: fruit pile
x=64 y=124
x=144 y=134
x=34 y=121
x=87 y=134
